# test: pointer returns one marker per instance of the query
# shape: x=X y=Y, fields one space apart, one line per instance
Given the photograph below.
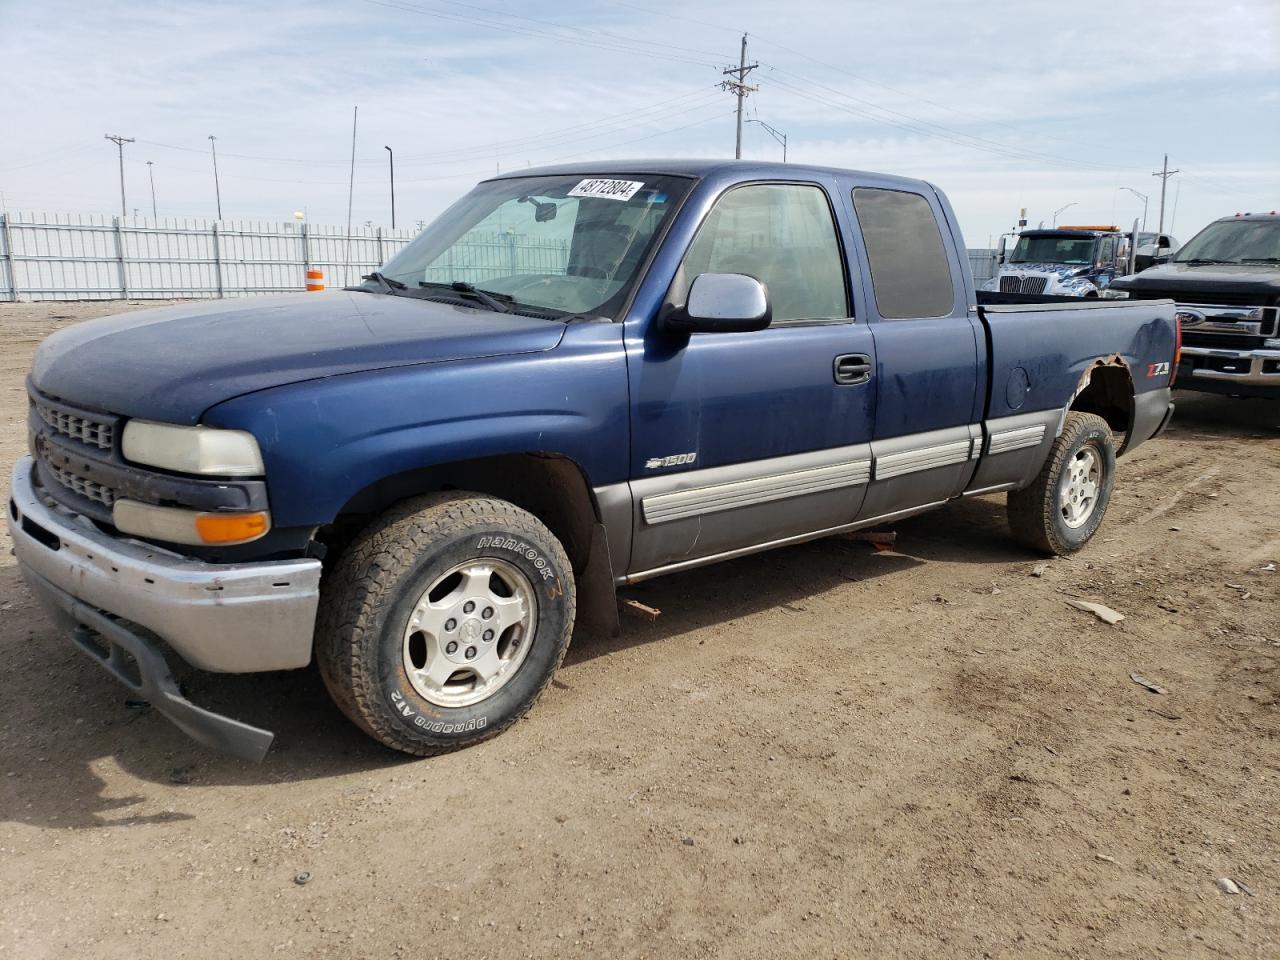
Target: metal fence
x=96 y=257
x=983 y=264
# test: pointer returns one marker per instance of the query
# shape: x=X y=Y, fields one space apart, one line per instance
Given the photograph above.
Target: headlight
x=1109 y=294
x=201 y=450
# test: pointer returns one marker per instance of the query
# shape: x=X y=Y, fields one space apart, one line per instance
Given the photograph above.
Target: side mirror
x=1000 y=253
x=722 y=303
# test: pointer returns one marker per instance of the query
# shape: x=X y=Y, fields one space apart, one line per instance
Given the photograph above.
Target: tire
x=1045 y=515
x=412 y=583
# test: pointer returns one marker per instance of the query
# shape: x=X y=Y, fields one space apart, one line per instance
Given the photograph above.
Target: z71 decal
x=1158 y=369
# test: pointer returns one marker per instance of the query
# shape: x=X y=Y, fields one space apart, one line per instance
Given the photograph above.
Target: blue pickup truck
x=425 y=480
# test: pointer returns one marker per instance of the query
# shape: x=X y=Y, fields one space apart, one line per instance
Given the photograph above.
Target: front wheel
x=1064 y=506
x=444 y=621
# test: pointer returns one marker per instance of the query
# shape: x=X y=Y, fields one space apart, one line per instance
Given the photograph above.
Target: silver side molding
x=1003 y=441
x=923 y=458
x=679 y=504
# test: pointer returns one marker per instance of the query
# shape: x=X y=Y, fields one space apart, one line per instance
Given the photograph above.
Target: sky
x=1003 y=106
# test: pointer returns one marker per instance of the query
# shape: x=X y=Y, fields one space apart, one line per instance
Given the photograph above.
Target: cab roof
x=1067 y=232
x=702 y=168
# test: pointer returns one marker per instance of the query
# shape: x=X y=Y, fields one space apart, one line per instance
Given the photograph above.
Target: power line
x=639 y=47
x=923 y=128
x=489 y=150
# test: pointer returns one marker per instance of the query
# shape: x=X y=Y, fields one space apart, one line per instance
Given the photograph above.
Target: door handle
x=851 y=368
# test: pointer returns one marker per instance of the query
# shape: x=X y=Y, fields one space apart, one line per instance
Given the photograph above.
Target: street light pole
x=1143 y=198
x=120 y=141
x=217 y=189
x=776 y=134
x=391 y=159
x=1059 y=210
x=151 y=175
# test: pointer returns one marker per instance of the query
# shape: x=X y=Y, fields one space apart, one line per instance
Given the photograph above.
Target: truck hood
x=1061 y=271
x=173 y=363
x=1178 y=279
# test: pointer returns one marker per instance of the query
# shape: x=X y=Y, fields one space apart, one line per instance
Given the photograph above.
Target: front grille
x=89 y=489
x=1198 y=296
x=1220 y=341
x=96 y=433
x=1032 y=285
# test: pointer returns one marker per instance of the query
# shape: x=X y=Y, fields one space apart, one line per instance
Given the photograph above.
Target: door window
x=782 y=234
x=1108 y=256
x=910 y=270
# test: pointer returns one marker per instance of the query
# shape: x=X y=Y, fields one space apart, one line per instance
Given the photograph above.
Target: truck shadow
x=61 y=750
x=1206 y=416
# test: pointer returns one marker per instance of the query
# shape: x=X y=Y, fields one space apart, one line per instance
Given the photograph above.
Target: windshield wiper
x=498 y=302
x=1260 y=259
x=385 y=281
x=1200 y=261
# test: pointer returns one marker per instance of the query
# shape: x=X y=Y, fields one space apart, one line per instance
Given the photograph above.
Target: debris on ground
x=638 y=609
x=1099 y=610
x=302 y=879
x=1227 y=886
x=1039 y=569
x=1267 y=568
x=1144 y=682
x=871 y=536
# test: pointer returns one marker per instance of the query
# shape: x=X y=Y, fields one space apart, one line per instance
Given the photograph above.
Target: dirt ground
x=823 y=751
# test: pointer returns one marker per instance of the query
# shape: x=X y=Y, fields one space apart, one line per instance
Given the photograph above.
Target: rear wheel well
x=1108 y=392
x=553 y=488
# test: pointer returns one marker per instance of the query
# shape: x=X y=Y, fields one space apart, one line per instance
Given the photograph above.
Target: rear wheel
x=1064 y=506
x=444 y=621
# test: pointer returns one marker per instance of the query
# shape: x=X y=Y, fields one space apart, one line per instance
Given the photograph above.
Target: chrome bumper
x=232 y=618
x=1248 y=366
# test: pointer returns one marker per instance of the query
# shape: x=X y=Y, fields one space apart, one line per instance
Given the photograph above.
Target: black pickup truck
x=1226 y=283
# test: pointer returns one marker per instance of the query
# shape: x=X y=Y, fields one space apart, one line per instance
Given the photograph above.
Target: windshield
x=1234 y=241
x=1053 y=250
x=563 y=244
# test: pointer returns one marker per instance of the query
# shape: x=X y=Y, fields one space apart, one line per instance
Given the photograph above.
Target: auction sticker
x=607 y=189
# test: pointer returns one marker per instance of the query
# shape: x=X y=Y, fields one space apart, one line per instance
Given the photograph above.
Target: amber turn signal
x=224 y=528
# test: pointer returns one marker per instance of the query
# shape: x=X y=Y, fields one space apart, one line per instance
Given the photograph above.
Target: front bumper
x=236 y=618
x=1251 y=372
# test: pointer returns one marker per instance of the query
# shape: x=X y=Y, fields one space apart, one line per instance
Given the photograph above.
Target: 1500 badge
x=675 y=460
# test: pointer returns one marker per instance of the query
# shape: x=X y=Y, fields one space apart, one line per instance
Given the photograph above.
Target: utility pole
x=152 y=177
x=120 y=141
x=351 y=189
x=1164 y=174
x=1059 y=210
x=776 y=134
x=391 y=159
x=217 y=189
x=739 y=88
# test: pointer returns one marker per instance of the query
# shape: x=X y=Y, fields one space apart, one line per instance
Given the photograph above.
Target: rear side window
x=910 y=272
